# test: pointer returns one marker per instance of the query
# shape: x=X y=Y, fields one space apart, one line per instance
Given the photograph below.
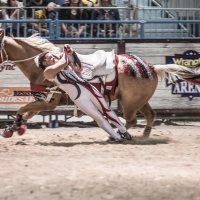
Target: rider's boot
x=125 y=136
x=112 y=139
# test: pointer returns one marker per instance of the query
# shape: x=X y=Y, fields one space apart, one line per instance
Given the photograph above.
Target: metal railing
x=54 y=32
x=143 y=28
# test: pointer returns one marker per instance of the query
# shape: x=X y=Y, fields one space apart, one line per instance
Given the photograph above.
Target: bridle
x=7 y=60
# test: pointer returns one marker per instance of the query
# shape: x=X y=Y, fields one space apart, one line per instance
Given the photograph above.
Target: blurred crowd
x=62 y=10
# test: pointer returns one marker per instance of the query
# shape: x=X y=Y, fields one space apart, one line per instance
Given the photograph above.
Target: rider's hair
x=41 y=60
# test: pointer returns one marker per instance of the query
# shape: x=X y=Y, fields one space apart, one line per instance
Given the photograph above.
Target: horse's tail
x=185 y=73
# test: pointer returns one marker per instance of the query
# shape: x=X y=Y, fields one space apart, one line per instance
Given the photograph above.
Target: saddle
x=99 y=63
x=100 y=70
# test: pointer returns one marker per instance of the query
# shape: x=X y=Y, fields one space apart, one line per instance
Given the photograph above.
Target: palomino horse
x=137 y=80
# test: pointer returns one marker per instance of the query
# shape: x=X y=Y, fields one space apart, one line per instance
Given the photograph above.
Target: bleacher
x=147 y=19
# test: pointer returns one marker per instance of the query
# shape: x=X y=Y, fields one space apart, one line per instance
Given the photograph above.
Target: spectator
x=106 y=30
x=40 y=13
x=73 y=30
x=17 y=29
x=3 y=15
x=3 y=2
x=133 y=29
x=90 y=3
x=60 y=2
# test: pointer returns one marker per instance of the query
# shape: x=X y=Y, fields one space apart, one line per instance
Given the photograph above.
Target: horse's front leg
x=26 y=112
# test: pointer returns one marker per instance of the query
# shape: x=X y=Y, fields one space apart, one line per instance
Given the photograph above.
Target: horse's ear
x=2 y=34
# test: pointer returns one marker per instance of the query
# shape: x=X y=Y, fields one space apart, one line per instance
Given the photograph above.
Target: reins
x=10 y=61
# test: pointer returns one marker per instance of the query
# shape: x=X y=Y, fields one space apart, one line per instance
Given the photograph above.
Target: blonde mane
x=41 y=44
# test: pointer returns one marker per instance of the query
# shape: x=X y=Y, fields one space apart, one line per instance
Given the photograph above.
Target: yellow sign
x=15 y=95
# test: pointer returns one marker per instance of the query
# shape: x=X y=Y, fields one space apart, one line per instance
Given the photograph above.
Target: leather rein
x=2 y=49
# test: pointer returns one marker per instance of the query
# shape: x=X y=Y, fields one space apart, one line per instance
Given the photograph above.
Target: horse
x=136 y=83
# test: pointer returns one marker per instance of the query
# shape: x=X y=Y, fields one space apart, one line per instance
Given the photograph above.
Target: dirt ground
x=71 y=163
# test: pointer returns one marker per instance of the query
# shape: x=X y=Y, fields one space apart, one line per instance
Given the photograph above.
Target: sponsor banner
x=15 y=95
x=7 y=67
x=185 y=89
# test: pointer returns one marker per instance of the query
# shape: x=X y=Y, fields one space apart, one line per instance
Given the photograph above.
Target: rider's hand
x=69 y=49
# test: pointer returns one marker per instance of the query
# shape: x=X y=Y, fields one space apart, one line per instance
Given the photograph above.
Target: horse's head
x=19 y=53
x=15 y=50
x=22 y=51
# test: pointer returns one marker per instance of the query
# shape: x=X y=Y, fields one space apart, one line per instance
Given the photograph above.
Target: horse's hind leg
x=130 y=116
x=150 y=116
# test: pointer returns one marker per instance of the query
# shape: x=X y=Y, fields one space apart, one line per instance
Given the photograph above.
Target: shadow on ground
x=135 y=141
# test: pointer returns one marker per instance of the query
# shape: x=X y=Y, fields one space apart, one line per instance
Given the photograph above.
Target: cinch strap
x=39 y=88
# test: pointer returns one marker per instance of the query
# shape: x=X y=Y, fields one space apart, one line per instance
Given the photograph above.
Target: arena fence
x=160 y=33
x=149 y=22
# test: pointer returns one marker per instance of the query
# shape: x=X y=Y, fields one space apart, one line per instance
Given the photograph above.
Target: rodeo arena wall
x=180 y=99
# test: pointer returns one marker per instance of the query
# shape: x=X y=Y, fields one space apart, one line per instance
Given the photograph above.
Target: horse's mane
x=41 y=44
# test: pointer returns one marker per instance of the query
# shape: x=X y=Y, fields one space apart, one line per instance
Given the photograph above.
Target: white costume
x=89 y=100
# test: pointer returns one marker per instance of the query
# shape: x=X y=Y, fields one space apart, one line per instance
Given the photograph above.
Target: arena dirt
x=71 y=163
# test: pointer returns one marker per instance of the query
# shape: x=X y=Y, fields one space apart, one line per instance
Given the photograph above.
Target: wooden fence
x=165 y=102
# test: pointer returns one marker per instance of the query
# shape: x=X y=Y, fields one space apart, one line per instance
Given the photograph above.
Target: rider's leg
x=88 y=108
x=102 y=106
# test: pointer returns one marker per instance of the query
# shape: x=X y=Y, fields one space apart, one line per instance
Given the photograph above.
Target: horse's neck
x=20 y=52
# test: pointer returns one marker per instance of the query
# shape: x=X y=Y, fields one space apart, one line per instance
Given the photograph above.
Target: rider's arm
x=73 y=62
x=51 y=71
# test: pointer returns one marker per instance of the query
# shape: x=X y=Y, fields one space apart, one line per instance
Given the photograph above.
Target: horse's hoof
x=22 y=129
x=147 y=131
x=7 y=133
